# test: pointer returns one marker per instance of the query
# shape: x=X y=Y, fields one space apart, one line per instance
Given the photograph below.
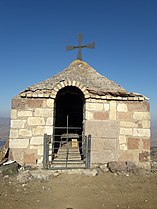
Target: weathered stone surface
x=115 y=167
x=146 y=124
x=39 y=130
x=13 y=114
x=128 y=124
x=30 y=157
x=94 y=106
x=103 y=150
x=103 y=129
x=18 y=123
x=126 y=131
x=113 y=110
x=48 y=130
x=40 y=150
x=49 y=121
x=123 y=147
x=133 y=143
x=43 y=112
x=10 y=169
x=144 y=156
x=138 y=106
x=121 y=107
x=125 y=156
x=34 y=103
x=141 y=115
x=122 y=139
x=106 y=107
x=32 y=121
x=104 y=167
x=141 y=132
x=125 y=116
x=22 y=113
x=89 y=115
x=14 y=134
x=50 y=103
x=146 y=144
x=38 y=140
x=25 y=132
x=19 y=143
x=101 y=115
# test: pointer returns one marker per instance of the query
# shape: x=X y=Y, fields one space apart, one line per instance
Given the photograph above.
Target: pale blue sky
x=34 y=33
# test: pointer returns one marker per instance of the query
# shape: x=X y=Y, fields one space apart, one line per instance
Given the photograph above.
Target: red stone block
x=133 y=143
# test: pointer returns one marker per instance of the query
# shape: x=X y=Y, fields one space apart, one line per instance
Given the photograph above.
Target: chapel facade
x=118 y=121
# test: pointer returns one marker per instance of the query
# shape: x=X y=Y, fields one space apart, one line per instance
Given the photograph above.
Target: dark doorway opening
x=69 y=108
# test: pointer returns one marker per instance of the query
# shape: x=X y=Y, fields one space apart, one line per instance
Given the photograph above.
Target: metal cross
x=80 y=46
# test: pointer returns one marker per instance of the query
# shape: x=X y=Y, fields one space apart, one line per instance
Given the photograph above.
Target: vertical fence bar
x=88 y=151
x=47 y=140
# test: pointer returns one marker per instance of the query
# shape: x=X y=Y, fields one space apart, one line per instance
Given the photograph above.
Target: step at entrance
x=68 y=156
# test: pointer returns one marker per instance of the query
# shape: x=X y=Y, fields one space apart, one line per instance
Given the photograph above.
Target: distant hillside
x=4 y=127
x=154 y=133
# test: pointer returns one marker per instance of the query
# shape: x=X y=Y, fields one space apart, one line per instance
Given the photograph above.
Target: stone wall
x=30 y=120
x=131 y=140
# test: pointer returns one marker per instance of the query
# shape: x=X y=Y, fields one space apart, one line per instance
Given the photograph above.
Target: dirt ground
x=105 y=191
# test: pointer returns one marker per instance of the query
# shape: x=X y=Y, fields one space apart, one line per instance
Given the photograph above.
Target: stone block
x=141 y=116
x=49 y=121
x=38 y=131
x=19 y=143
x=35 y=121
x=50 y=103
x=146 y=124
x=125 y=156
x=25 y=132
x=128 y=124
x=18 y=103
x=38 y=140
x=123 y=147
x=94 y=106
x=13 y=134
x=125 y=116
x=103 y=129
x=106 y=106
x=141 y=132
x=34 y=103
x=122 y=139
x=126 y=131
x=40 y=150
x=48 y=130
x=13 y=114
x=44 y=112
x=146 y=144
x=138 y=106
x=22 y=113
x=121 y=107
x=133 y=143
x=18 y=123
x=113 y=110
x=89 y=115
x=101 y=115
x=30 y=157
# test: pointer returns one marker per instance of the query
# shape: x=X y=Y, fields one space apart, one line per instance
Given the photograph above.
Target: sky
x=34 y=34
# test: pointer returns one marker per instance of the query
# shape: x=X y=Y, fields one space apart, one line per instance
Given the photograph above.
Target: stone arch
x=68 y=82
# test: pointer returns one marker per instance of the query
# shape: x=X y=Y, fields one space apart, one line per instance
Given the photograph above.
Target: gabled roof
x=79 y=71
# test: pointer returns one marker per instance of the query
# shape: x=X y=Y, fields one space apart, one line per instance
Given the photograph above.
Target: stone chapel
x=118 y=121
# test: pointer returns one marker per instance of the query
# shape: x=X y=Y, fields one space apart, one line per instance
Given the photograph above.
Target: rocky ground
x=95 y=189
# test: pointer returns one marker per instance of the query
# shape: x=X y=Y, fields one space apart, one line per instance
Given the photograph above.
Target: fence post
x=46 y=151
x=88 y=152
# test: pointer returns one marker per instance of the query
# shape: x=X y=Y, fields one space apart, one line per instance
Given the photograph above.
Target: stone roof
x=83 y=73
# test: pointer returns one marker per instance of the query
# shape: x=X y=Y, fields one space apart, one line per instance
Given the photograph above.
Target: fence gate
x=66 y=151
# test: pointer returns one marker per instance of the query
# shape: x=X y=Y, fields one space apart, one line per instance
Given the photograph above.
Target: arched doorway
x=68 y=116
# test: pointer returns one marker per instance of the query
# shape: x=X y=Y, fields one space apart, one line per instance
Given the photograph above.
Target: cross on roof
x=80 y=46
